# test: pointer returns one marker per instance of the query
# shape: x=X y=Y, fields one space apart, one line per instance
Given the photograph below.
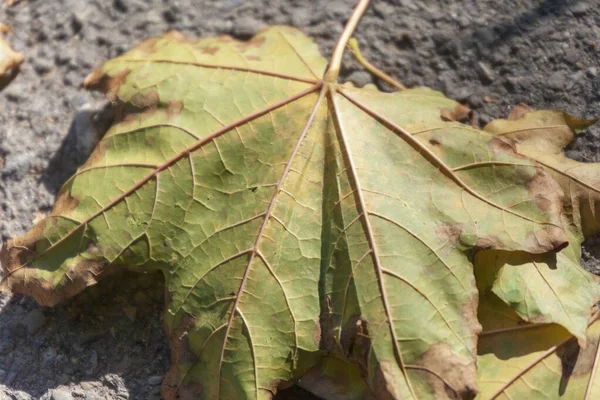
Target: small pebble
x=58 y=394
x=485 y=73
x=245 y=27
x=360 y=78
x=155 y=380
x=580 y=9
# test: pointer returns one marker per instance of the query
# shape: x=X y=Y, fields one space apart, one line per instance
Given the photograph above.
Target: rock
x=360 y=78
x=572 y=56
x=58 y=394
x=155 y=380
x=34 y=320
x=556 y=81
x=15 y=92
x=245 y=27
x=574 y=79
x=301 y=17
x=486 y=75
x=592 y=72
x=580 y=9
x=42 y=65
x=446 y=43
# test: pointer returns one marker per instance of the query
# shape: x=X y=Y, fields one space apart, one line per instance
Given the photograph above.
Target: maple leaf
x=541 y=359
x=307 y=230
x=10 y=60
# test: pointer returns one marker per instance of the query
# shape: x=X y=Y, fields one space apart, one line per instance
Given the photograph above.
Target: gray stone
x=572 y=55
x=485 y=73
x=245 y=27
x=580 y=9
x=58 y=394
x=155 y=380
x=592 y=72
x=556 y=80
x=360 y=78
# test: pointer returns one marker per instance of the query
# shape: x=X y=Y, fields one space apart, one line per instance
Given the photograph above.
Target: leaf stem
x=336 y=59
x=353 y=46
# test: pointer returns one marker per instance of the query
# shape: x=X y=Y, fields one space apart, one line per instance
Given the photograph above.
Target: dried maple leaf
x=307 y=230
x=10 y=60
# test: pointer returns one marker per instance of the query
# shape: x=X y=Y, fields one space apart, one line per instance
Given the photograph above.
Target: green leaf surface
x=300 y=224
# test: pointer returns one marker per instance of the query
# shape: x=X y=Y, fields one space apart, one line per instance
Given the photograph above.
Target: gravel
x=543 y=53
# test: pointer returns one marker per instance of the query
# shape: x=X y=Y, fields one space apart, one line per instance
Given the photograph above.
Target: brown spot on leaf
x=224 y=39
x=65 y=204
x=147 y=46
x=256 y=42
x=434 y=142
x=448 y=233
x=547 y=195
x=519 y=111
x=253 y=58
x=19 y=277
x=146 y=100
x=500 y=146
x=487 y=243
x=181 y=353
x=104 y=83
x=383 y=382
x=449 y=376
x=460 y=113
x=317 y=334
x=211 y=50
x=174 y=108
x=175 y=35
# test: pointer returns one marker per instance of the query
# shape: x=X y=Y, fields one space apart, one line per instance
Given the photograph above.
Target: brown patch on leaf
x=109 y=85
x=500 y=145
x=576 y=361
x=256 y=42
x=448 y=233
x=64 y=204
x=547 y=195
x=224 y=39
x=317 y=334
x=253 y=58
x=181 y=353
x=488 y=243
x=460 y=113
x=211 y=50
x=449 y=376
x=18 y=277
x=174 y=108
x=519 y=111
x=434 y=142
x=383 y=382
x=175 y=35
x=146 y=100
x=190 y=391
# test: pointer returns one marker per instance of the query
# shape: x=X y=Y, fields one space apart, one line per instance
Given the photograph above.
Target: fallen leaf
x=306 y=229
x=10 y=61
